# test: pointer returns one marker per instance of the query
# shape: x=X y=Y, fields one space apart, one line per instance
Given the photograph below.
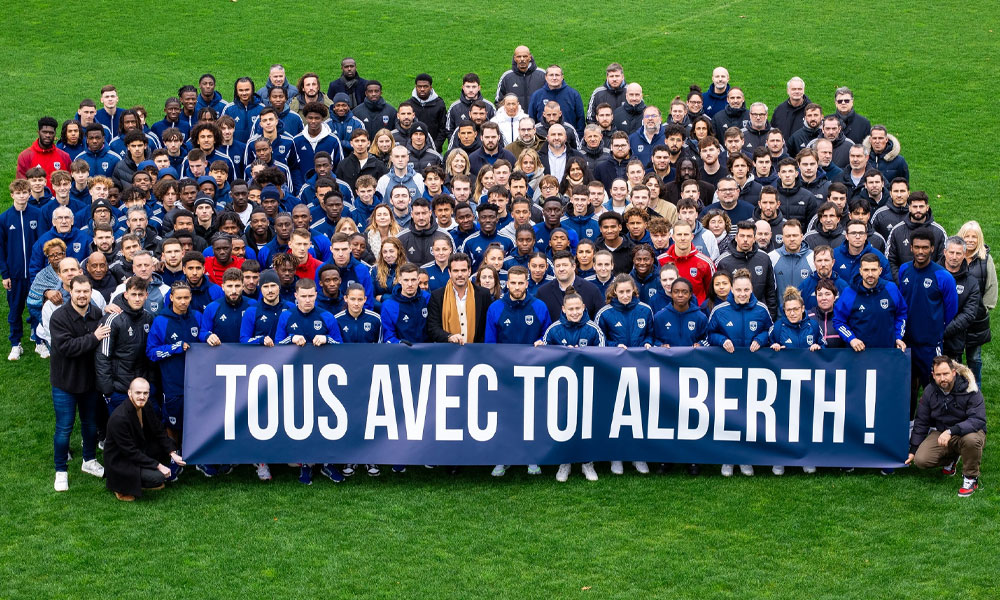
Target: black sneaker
x=693 y=469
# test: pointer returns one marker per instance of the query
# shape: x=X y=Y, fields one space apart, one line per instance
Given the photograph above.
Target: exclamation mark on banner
x=870 y=406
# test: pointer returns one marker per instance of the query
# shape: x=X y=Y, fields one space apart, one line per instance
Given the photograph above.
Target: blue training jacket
x=521 y=321
x=224 y=319
x=405 y=318
x=19 y=230
x=876 y=316
x=573 y=333
x=803 y=334
x=260 y=321
x=165 y=346
x=740 y=323
x=931 y=300
x=626 y=324
x=293 y=322
x=365 y=329
x=680 y=329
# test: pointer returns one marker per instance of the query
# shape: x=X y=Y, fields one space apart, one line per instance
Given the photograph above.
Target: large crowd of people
x=289 y=215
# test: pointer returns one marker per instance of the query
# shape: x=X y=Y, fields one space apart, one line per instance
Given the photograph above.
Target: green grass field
x=926 y=70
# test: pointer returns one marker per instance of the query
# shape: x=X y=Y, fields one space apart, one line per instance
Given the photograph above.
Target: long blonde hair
x=381 y=267
x=394 y=227
x=373 y=148
x=480 y=188
x=976 y=230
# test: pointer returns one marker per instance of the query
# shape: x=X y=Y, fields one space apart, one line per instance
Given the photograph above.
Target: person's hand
x=102 y=332
x=728 y=345
x=648 y=346
x=909 y=459
x=163 y=469
x=268 y=341
x=6 y=283
x=901 y=345
x=53 y=296
x=623 y=346
x=537 y=342
x=213 y=340
x=177 y=459
x=186 y=346
x=814 y=347
x=298 y=340
x=754 y=346
x=319 y=340
x=112 y=308
x=776 y=346
x=944 y=438
x=456 y=338
x=857 y=345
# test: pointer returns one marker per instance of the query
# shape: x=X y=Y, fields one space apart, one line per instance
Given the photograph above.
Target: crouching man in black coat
x=137 y=446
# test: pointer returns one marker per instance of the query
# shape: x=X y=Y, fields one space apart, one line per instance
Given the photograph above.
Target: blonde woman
x=981 y=266
x=382 y=144
x=456 y=164
x=381 y=226
x=346 y=225
x=531 y=165
x=391 y=256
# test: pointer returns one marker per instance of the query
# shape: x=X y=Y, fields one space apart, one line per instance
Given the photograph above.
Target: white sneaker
x=100 y=445
x=747 y=470
x=42 y=350
x=809 y=470
x=563 y=473
x=778 y=470
x=15 y=352
x=62 y=481
x=727 y=470
x=263 y=472
x=641 y=466
x=499 y=471
x=534 y=470
x=616 y=467
x=92 y=467
x=589 y=471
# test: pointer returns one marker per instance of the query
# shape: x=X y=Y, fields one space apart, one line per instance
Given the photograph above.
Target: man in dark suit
x=457 y=312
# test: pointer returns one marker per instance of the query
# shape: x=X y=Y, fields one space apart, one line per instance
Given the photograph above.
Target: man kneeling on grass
x=137 y=446
x=954 y=408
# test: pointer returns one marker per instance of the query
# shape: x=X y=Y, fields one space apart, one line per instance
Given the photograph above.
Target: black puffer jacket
x=761 y=272
x=962 y=411
x=969 y=301
x=979 y=331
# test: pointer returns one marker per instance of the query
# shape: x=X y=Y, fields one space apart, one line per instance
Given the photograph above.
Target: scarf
x=449 y=311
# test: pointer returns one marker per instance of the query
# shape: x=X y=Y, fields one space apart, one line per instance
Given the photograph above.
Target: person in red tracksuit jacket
x=691 y=264
x=43 y=152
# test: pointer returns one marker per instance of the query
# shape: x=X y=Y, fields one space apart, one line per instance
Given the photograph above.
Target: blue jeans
x=66 y=405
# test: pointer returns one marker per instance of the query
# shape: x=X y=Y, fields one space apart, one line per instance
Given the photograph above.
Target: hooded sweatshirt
x=432 y=113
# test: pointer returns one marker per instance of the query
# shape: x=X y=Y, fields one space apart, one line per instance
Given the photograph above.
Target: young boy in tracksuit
x=20 y=226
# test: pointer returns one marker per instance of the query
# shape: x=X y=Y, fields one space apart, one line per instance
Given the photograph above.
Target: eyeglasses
x=55 y=254
x=844 y=101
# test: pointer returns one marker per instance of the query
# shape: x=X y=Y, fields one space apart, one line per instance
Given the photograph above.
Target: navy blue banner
x=441 y=404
